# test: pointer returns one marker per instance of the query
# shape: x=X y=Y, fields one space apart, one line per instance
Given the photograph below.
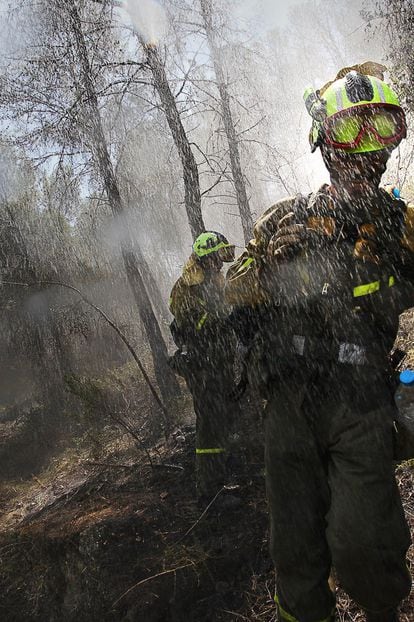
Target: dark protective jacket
x=341 y=297
x=202 y=330
x=198 y=305
x=321 y=325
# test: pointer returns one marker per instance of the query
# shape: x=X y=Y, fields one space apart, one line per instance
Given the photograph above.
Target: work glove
x=288 y=240
x=292 y=237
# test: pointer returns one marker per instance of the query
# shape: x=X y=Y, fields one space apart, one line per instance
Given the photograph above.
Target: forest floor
x=113 y=531
x=118 y=538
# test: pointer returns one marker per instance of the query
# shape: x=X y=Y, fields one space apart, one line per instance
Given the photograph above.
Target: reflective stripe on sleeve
x=246 y=263
x=364 y=290
x=201 y=321
x=213 y=450
x=370 y=288
x=243 y=268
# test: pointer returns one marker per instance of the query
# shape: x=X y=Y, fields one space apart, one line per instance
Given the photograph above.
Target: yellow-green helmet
x=211 y=242
x=357 y=112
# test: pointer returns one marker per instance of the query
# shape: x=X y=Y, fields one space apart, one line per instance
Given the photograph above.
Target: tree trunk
x=238 y=179
x=154 y=292
x=190 y=170
x=166 y=379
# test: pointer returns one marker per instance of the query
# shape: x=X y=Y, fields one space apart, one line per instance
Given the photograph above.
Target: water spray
x=149 y=20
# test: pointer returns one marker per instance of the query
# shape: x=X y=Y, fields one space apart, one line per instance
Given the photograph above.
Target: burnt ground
x=118 y=539
x=114 y=533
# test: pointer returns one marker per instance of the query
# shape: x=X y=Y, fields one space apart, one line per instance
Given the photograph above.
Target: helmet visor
x=368 y=127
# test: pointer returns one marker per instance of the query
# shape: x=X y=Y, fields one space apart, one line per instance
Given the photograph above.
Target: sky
x=270 y=13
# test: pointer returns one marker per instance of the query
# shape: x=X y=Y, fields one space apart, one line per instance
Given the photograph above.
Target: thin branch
x=252 y=126
x=112 y=324
x=192 y=64
x=116 y=3
x=214 y=185
x=202 y=514
x=134 y=435
x=154 y=576
x=126 y=63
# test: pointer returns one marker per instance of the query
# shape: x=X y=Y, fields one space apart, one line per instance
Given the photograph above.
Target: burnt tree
x=165 y=377
x=192 y=194
x=234 y=152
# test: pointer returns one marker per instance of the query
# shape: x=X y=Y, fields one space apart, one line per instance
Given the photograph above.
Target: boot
x=386 y=615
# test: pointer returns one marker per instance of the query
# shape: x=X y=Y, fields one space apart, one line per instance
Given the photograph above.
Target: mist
x=128 y=128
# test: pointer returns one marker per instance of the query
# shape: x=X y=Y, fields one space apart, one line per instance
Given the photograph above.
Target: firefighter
x=324 y=281
x=205 y=355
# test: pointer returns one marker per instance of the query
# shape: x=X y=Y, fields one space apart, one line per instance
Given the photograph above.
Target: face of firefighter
x=212 y=263
x=355 y=173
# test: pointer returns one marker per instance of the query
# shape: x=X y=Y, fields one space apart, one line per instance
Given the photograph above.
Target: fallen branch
x=111 y=465
x=113 y=325
x=174 y=467
x=134 y=435
x=165 y=465
x=194 y=525
x=154 y=576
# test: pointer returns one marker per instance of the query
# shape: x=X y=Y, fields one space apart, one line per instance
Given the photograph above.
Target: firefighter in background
x=206 y=353
x=328 y=275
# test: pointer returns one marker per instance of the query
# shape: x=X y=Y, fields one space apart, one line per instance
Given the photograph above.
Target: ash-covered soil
x=119 y=539
x=116 y=534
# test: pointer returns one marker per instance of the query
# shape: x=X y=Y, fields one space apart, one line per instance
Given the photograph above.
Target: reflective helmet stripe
x=203 y=245
x=381 y=93
x=368 y=288
x=201 y=321
x=339 y=98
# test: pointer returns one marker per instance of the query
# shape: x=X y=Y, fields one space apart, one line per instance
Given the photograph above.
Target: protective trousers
x=332 y=492
x=214 y=415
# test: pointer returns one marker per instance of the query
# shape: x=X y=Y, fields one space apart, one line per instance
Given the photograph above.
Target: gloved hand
x=292 y=237
x=288 y=240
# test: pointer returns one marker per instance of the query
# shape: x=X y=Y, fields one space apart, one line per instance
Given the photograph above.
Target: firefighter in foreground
x=325 y=280
x=205 y=354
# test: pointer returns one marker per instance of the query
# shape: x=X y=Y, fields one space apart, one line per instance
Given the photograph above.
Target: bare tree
x=189 y=165
x=65 y=115
x=192 y=195
x=165 y=377
x=234 y=154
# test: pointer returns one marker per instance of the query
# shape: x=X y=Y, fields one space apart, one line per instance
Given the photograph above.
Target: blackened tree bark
x=165 y=377
x=192 y=192
x=151 y=285
x=234 y=153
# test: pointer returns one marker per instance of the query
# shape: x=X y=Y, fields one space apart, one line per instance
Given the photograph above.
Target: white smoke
x=149 y=18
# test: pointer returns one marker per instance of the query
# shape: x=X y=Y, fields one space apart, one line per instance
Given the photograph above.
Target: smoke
x=13 y=178
x=149 y=19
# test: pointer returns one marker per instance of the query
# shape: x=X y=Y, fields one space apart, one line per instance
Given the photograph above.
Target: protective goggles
x=368 y=127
